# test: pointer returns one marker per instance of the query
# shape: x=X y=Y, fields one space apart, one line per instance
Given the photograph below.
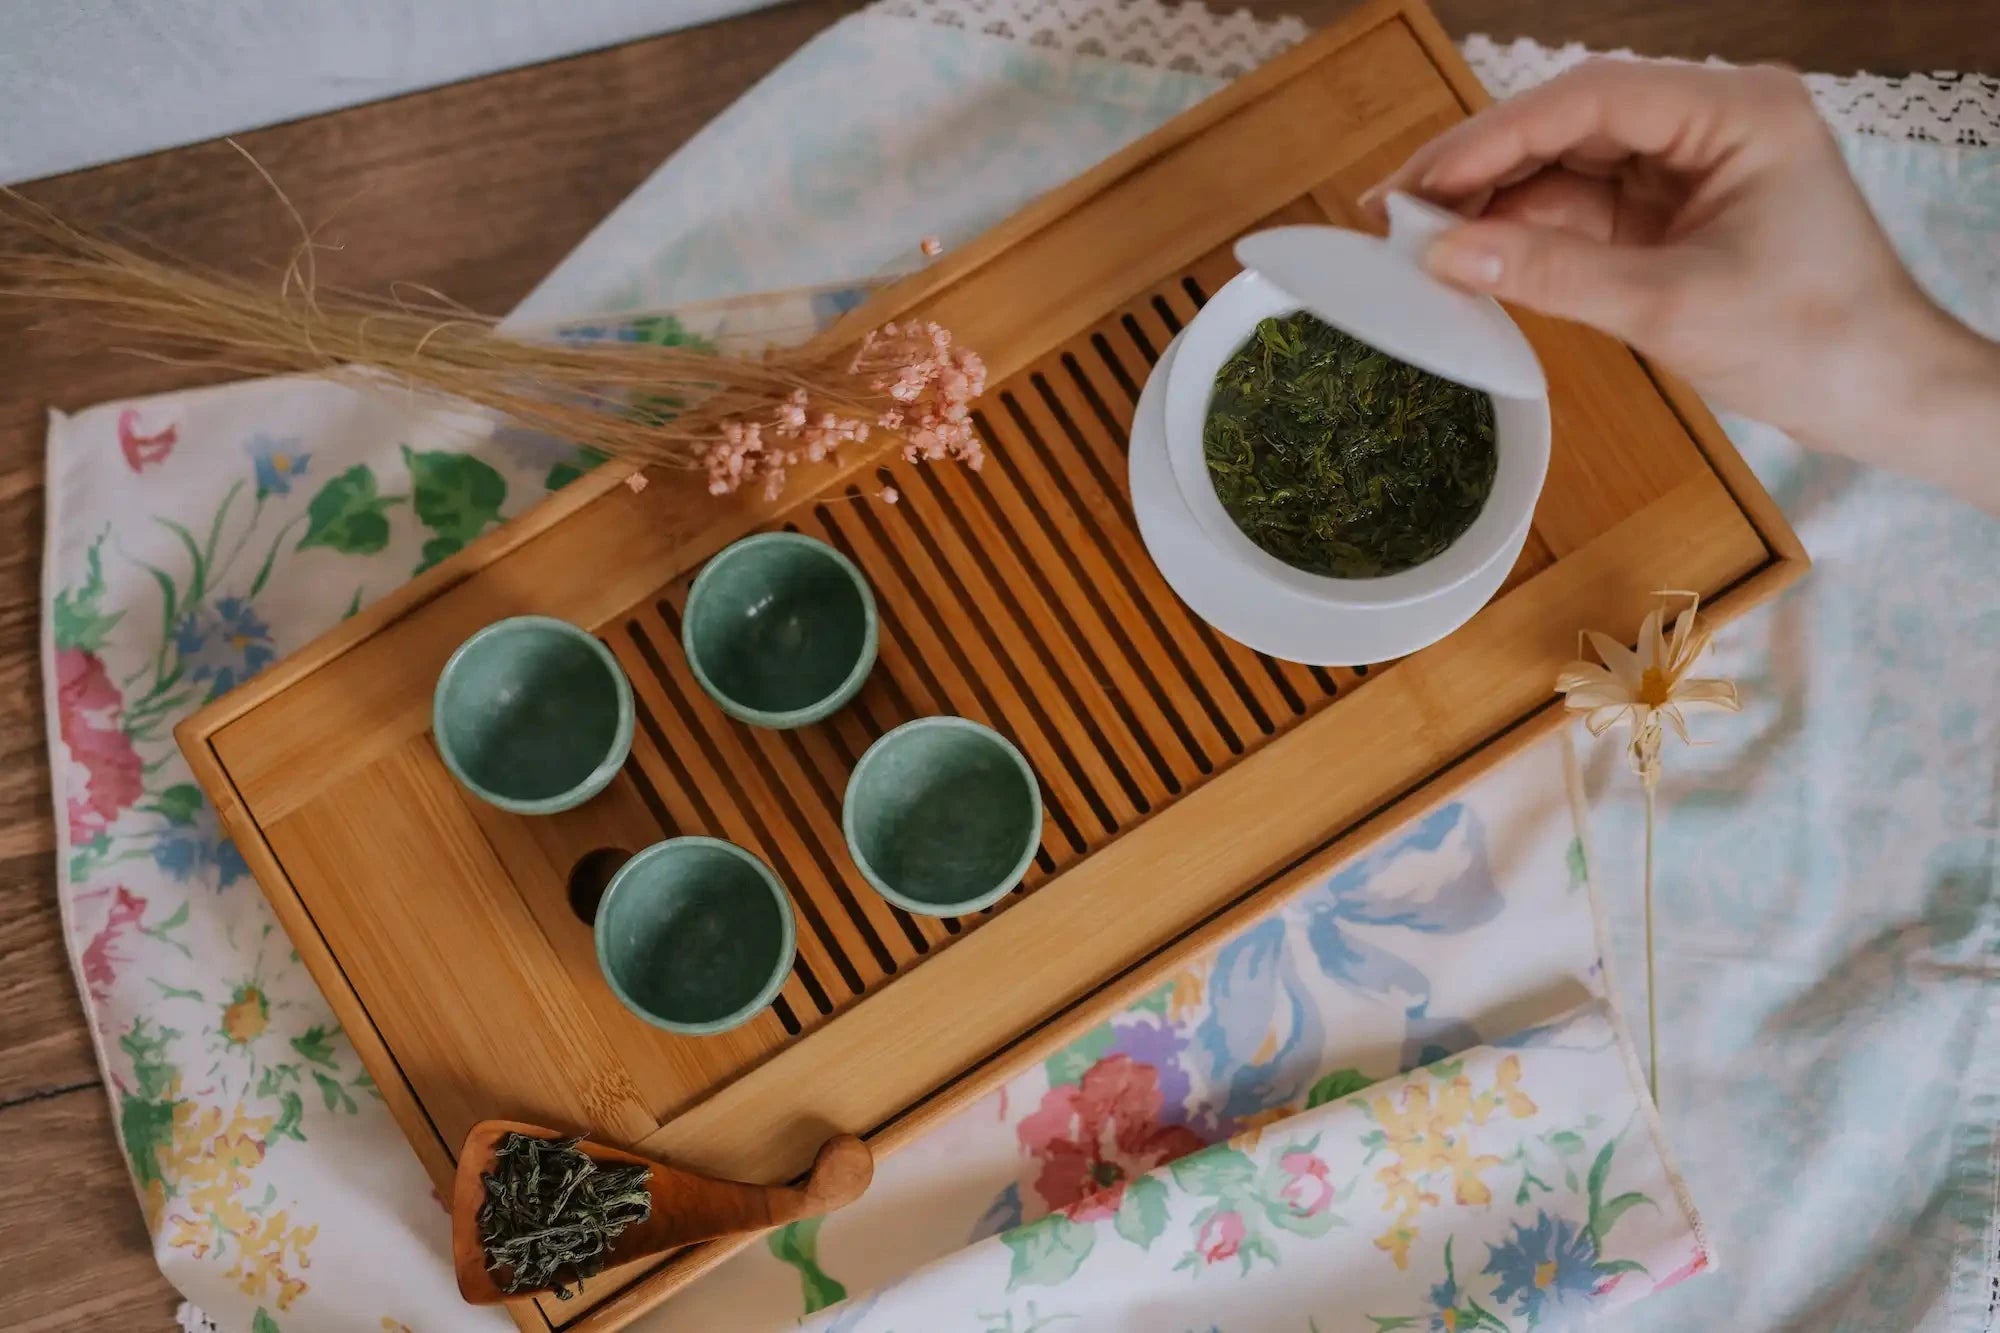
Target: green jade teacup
x=533 y=715
x=780 y=630
x=695 y=935
x=942 y=816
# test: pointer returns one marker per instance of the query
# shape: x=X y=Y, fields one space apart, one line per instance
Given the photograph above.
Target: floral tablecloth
x=1829 y=1054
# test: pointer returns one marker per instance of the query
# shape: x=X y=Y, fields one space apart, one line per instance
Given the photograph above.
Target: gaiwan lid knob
x=1377 y=289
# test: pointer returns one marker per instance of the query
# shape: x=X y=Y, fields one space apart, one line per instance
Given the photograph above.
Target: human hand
x=1706 y=217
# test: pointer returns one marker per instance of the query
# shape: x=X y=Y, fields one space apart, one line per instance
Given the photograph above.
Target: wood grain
x=75 y=1254
x=429 y=188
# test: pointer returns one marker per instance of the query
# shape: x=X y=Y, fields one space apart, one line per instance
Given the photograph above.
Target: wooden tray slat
x=1189 y=781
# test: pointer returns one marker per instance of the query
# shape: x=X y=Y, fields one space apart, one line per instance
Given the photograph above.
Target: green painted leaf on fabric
x=567 y=471
x=147 y=1049
x=275 y=1077
x=74 y=618
x=1612 y=1267
x=349 y=515
x=1567 y=1142
x=316 y=1045
x=1216 y=1171
x=667 y=331
x=798 y=1245
x=262 y=1322
x=437 y=550
x=180 y=803
x=1142 y=1215
x=1604 y=1218
x=290 y=1117
x=1579 y=870
x=333 y=1094
x=456 y=496
x=1336 y=1085
x=1047 y=1253
x=352 y=606
x=1157 y=1000
x=145 y=1126
x=1069 y=1064
x=1604 y=1215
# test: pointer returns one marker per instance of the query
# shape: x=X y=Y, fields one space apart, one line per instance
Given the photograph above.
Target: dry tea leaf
x=551 y=1213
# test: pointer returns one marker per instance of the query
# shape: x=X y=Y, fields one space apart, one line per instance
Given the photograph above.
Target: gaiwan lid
x=1377 y=289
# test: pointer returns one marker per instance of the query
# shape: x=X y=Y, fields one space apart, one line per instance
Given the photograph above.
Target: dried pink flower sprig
x=732 y=418
x=925 y=387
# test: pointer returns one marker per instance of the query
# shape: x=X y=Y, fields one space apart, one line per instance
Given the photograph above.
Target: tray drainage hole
x=590 y=877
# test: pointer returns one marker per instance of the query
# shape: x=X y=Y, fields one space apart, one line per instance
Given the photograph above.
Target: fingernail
x=1466 y=263
x=1370 y=195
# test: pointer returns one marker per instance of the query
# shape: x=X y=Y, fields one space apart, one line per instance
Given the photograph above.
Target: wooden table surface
x=478 y=189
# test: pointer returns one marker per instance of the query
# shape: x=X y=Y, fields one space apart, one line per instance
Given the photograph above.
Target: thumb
x=1616 y=288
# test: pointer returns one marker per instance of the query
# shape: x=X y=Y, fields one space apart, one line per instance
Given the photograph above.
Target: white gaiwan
x=1377 y=290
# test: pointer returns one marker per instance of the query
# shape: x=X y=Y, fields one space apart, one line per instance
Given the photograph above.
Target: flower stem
x=1652 y=1004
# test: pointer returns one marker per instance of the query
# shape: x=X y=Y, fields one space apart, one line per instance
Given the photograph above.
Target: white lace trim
x=1187 y=37
x=1959 y=109
x=192 y=1320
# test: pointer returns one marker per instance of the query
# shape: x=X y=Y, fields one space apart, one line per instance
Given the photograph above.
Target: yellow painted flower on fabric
x=246 y=1016
x=1467 y=1187
x=1430 y=1138
x=1252 y=1127
x=1646 y=687
x=260 y=1267
x=1506 y=1081
x=1396 y=1241
x=1185 y=997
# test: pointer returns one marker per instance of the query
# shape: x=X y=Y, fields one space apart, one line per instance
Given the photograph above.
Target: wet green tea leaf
x=1339 y=459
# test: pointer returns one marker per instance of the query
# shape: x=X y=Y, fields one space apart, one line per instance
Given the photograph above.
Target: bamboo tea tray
x=1189 y=782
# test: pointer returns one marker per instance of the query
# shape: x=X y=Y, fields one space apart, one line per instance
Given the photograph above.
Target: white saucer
x=1267 y=616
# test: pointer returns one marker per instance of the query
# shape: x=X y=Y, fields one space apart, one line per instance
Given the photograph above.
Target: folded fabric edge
x=52 y=533
x=1316 y=1119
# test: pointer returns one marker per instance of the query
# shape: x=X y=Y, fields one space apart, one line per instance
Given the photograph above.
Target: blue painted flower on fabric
x=1548 y=1270
x=1262 y=1035
x=198 y=847
x=226 y=645
x=1003 y=1214
x=1435 y=879
x=276 y=462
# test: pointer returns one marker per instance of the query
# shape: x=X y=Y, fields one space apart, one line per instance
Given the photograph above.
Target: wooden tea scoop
x=687 y=1206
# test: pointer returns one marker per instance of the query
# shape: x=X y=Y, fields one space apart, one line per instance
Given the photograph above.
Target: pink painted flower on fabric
x=100 y=959
x=142 y=450
x=1096 y=1135
x=88 y=707
x=1220 y=1238
x=1306 y=1191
